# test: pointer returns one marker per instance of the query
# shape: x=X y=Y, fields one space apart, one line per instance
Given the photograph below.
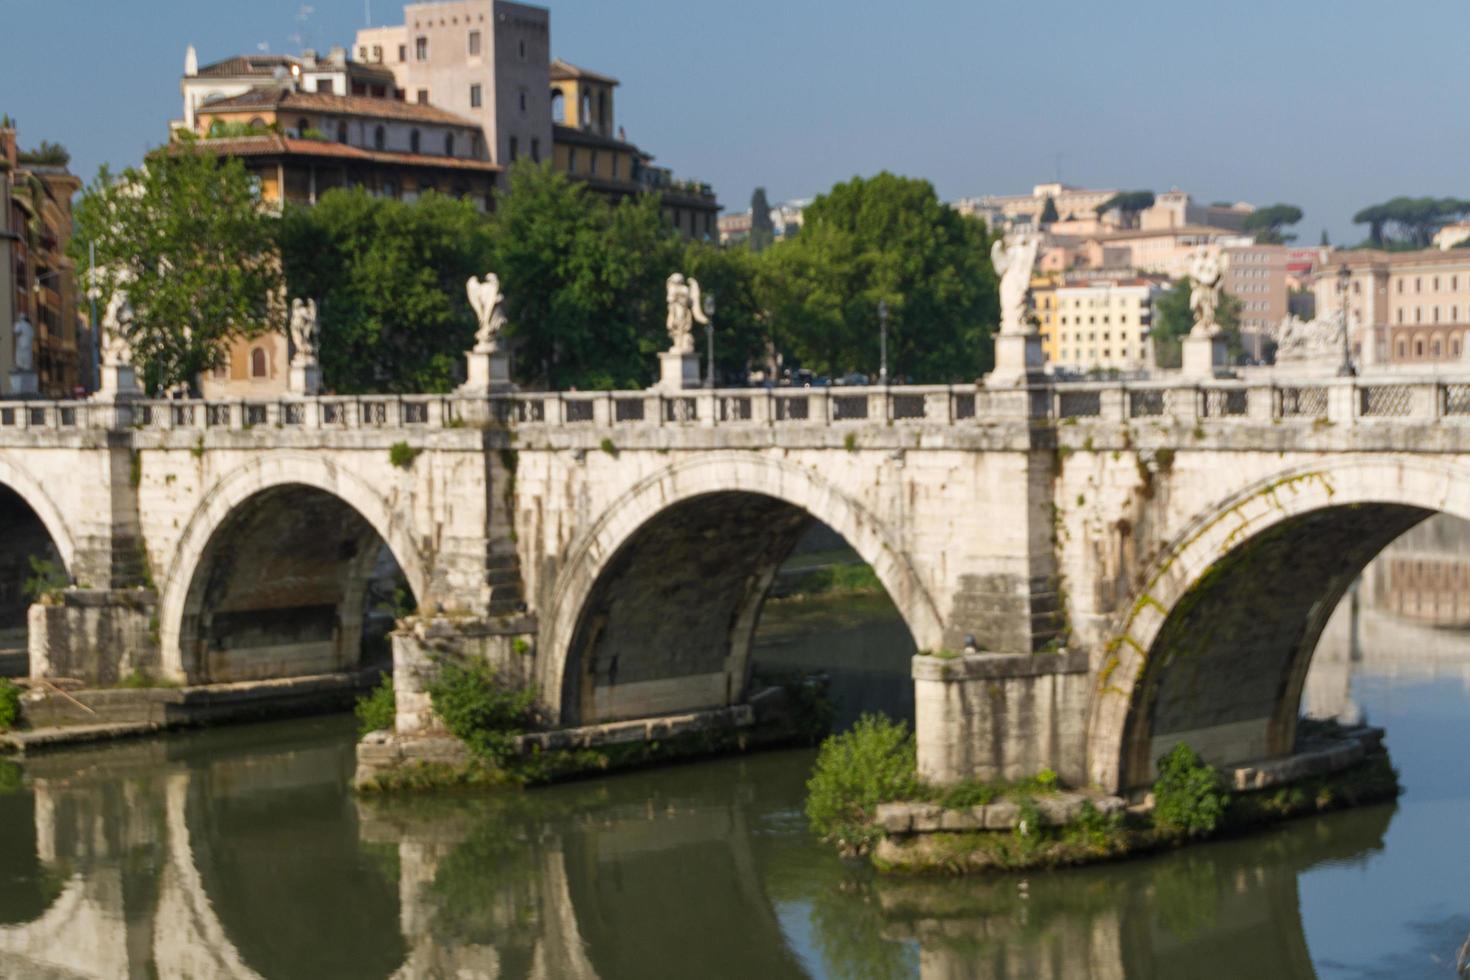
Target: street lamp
x=883 y=342
x=1344 y=279
x=709 y=337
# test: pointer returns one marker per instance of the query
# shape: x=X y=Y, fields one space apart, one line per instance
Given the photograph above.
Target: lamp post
x=709 y=337
x=883 y=342
x=1344 y=278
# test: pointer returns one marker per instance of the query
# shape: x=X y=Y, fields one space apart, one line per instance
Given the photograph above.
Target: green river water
x=241 y=853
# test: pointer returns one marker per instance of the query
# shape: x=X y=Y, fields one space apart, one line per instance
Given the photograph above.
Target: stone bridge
x=1137 y=564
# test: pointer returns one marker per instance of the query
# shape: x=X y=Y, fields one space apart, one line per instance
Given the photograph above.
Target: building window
x=1418 y=348
x=475 y=96
x=341 y=132
x=515 y=149
x=403 y=52
x=572 y=160
x=474 y=46
x=379 y=138
x=449 y=144
x=535 y=150
x=423 y=96
x=378 y=53
x=1401 y=314
x=523 y=101
x=1434 y=347
x=421 y=48
x=522 y=48
x=1403 y=352
x=1418 y=315
x=362 y=52
x=326 y=86
x=1418 y=284
x=592 y=164
x=1436 y=314
x=558 y=107
x=1436 y=284
x=615 y=158
x=257 y=363
x=1455 y=347
x=413 y=141
x=1400 y=284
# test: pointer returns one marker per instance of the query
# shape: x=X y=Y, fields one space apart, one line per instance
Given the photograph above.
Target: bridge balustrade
x=1348 y=401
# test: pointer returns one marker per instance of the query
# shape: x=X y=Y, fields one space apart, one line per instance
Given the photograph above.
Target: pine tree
x=762 y=230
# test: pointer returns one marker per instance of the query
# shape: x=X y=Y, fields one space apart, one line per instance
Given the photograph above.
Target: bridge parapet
x=1340 y=401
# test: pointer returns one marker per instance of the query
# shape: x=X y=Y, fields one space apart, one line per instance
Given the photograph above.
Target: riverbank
x=57 y=715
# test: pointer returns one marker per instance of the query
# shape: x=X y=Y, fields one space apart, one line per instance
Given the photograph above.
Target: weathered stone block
x=894 y=818
x=1001 y=815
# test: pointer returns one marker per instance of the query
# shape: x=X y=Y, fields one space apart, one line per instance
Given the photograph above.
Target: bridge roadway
x=1137 y=563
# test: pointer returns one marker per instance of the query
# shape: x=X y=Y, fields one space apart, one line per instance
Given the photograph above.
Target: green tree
x=1049 y=212
x=1172 y=322
x=1267 y=223
x=884 y=238
x=1415 y=219
x=732 y=277
x=1129 y=203
x=390 y=280
x=584 y=281
x=187 y=234
x=762 y=229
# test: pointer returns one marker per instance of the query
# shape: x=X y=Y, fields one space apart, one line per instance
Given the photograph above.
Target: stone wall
x=1001 y=716
x=422 y=646
x=95 y=636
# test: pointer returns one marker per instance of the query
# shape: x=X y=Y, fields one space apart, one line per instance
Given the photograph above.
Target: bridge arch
x=30 y=491
x=1214 y=648
x=279 y=481
x=735 y=516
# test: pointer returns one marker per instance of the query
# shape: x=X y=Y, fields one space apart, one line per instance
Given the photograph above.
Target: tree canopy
x=186 y=234
x=1415 y=219
x=1129 y=202
x=1267 y=223
x=884 y=238
x=1049 y=212
x=762 y=229
x=389 y=278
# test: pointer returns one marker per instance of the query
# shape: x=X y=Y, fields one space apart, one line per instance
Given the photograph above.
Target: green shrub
x=9 y=705
x=482 y=710
x=47 y=579
x=1190 y=796
x=872 y=763
x=607 y=446
x=402 y=455
x=376 y=710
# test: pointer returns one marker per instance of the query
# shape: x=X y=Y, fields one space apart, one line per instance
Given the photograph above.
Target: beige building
x=1101 y=326
x=1176 y=209
x=1417 y=304
x=1002 y=210
x=335 y=74
x=490 y=61
x=1256 y=275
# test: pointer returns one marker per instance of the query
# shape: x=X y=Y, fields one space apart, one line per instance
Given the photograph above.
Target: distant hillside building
x=1097 y=324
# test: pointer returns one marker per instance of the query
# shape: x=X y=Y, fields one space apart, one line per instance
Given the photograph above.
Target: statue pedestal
x=119 y=382
x=24 y=383
x=1018 y=361
x=487 y=371
x=677 y=370
x=304 y=379
x=1204 y=357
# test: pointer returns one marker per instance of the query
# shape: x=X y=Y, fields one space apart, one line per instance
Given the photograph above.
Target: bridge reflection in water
x=241 y=854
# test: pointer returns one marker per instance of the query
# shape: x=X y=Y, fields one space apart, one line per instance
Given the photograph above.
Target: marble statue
x=1297 y=338
x=686 y=308
x=1206 y=276
x=1013 y=263
x=303 y=331
x=117 y=324
x=488 y=302
x=25 y=345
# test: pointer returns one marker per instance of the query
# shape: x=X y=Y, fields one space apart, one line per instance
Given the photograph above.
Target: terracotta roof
x=565 y=69
x=284 y=99
x=274 y=145
x=249 y=64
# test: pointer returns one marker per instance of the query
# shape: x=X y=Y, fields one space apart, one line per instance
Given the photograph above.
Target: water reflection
x=241 y=854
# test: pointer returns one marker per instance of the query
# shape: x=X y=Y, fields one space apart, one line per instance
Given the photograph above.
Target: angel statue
x=488 y=302
x=1205 y=276
x=1013 y=263
x=686 y=308
x=117 y=324
x=303 y=331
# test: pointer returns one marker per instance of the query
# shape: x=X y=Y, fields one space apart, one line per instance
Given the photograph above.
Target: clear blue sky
x=1328 y=107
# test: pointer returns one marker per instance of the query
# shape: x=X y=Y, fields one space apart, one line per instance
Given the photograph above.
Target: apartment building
x=1256 y=275
x=1414 y=305
x=1100 y=325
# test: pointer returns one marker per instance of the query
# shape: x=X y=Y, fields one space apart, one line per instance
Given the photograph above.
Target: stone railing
x=1338 y=401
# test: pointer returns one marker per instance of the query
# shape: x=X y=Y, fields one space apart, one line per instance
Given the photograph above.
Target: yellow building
x=1104 y=325
x=1044 y=308
x=587 y=146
